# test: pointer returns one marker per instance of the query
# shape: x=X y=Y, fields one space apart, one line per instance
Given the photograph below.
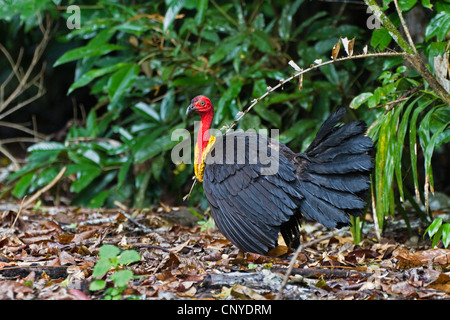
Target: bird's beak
x=190 y=109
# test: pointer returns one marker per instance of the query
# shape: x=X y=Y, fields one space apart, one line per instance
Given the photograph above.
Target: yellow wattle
x=199 y=166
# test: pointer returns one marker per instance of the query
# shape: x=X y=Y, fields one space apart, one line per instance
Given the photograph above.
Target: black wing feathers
x=326 y=184
x=259 y=204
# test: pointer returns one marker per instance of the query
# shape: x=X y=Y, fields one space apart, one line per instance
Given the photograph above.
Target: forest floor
x=50 y=252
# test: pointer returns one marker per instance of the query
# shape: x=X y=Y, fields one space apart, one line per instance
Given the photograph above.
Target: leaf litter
x=50 y=253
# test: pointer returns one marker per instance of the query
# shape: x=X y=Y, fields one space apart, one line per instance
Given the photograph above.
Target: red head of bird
x=202 y=106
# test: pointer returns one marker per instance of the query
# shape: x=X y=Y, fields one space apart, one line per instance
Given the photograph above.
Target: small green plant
x=112 y=257
x=437 y=231
x=206 y=224
x=38 y=205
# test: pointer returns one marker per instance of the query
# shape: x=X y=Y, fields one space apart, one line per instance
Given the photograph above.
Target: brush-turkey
x=252 y=200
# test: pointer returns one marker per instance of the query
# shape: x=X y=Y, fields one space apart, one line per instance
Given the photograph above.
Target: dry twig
x=25 y=81
x=297 y=252
x=38 y=193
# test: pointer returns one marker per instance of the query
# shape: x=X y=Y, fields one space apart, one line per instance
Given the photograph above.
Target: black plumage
x=251 y=202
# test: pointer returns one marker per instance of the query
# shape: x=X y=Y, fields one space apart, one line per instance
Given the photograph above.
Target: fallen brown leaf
x=66 y=258
x=11 y=290
x=79 y=237
x=441 y=283
x=403 y=288
x=407 y=259
x=245 y=293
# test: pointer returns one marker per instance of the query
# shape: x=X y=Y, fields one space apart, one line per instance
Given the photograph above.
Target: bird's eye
x=202 y=103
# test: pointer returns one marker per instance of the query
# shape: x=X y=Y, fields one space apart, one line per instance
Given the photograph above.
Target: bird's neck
x=203 y=140
x=203 y=133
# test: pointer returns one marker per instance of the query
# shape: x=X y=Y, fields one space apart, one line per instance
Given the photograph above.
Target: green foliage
x=439 y=231
x=409 y=121
x=143 y=68
x=112 y=257
x=26 y=10
x=206 y=224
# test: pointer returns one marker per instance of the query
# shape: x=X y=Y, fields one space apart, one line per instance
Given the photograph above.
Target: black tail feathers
x=336 y=179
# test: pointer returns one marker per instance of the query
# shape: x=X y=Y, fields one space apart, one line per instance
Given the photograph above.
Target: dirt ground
x=50 y=253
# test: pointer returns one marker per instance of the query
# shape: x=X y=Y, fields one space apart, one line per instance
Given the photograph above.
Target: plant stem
x=395 y=34
x=140 y=197
x=405 y=27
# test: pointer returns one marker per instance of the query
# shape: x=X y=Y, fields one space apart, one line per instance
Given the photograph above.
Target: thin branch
x=10 y=157
x=140 y=225
x=21 y=128
x=404 y=96
x=297 y=252
x=19 y=139
x=15 y=69
x=24 y=84
x=405 y=27
x=282 y=82
x=40 y=93
x=186 y=197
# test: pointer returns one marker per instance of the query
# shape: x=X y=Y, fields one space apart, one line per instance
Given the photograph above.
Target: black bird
x=257 y=187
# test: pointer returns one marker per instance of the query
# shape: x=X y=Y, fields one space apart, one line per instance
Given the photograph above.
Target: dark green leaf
x=427 y=4
x=422 y=104
x=158 y=166
x=201 y=9
x=428 y=152
x=434 y=227
x=360 y=99
x=446 y=234
x=380 y=38
x=120 y=81
x=147 y=111
x=47 y=146
x=99 y=198
x=46 y=176
x=86 y=78
x=438 y=27
x=406 y=5
x=22 y=185
x=227 y=46
x=167 y=104
x=174 y=6
x=123 y=172
x=401 y=134
x=155 y=147
x=91 y=124
x=231 y=93
x=86 y=173
x=87 y=51
x=261 y=40
x=269 y=115
x=436 y=238
x=285 y=21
